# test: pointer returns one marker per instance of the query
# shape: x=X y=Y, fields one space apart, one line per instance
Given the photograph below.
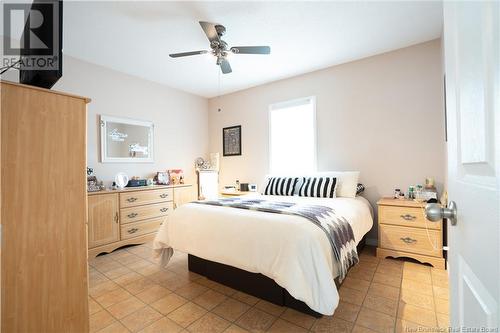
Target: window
x=292 y=136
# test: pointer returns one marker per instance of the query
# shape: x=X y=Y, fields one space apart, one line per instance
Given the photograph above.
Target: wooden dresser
x=131 y=215
x=403 y=231
x=44 y=209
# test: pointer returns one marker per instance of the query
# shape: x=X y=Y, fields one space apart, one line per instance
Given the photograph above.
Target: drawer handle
x=132 y=215
x=163 y=210
x=408 y=217
x=408 y=240
x=132 y=231
x=131 y=199
x=164 y=195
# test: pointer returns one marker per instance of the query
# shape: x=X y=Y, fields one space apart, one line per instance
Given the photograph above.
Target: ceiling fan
x=220 y=48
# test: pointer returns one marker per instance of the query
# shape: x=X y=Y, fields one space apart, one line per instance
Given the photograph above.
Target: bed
x=282 y=249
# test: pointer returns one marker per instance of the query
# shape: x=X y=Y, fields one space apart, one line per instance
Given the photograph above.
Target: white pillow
x=347 y=182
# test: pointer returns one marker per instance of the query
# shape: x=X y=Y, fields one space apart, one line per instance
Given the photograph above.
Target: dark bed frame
x=254 y=284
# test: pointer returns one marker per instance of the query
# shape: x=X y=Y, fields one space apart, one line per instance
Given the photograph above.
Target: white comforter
x=289 y=249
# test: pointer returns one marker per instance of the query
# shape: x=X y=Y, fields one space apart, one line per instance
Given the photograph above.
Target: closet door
x=103 y=219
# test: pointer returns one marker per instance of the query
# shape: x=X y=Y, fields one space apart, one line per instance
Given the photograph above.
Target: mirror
x=126 y=140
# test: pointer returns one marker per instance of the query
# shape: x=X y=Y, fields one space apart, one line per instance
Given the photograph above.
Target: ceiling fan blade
x=225 y=67
x=251 y=49
x=210 y=31
x=185 y=54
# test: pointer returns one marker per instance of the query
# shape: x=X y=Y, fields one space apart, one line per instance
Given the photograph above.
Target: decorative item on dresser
x=44 y=240
x=403 y=231
x=131 y=215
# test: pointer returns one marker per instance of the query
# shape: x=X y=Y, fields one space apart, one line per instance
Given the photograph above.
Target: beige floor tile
x=256 y=320
x=127 y=278
x=169 y=303
x=396 y=271
x=96 y=278
x=378 y=289
x=187 y=314
x=361 y=329
x=387 y=279
x=376 y=321
x=102 y=288
x=139 y=264
x=117 y=272
x=141 y=318
x=210 y=299
x=411 y=297
x=139 y=285
x=356 y=284
x=273 y=309
x=405 y=326
x=417 y=287
x=391 y=263
x=442 y=306
x=113 y=297
x=231 y=309
x=282 y=326
x=126 y=307
x=245 y=298
x=149 y=269
x=164 y=325
x=209 y=323
x=422 y=277
x=162 y=276
x=128 y=259
x=175 y=282
x=417 y=315
x=298 y=318
x=347 y=311
x=100 y=320
x=235 y=329
x=191 y=290
x=381 y=304
x=108 y=266
x=351 y=296
x=152 y=294
x=327 y=324
x=116 y=327
x=416 y=267
x=93 y=306
x=361 y=274
x=440 y=292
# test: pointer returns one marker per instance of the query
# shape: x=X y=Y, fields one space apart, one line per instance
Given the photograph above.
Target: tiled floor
x=128 y=292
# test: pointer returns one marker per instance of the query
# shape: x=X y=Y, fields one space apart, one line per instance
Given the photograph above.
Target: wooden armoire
x=43 y=210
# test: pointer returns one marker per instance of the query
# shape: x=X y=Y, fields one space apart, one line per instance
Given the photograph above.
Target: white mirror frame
x=104 y=152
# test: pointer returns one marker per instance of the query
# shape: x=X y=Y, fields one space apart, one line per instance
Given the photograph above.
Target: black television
x=41 y=50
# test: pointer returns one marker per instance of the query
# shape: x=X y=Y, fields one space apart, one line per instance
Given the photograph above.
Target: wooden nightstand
x=238 y=193
x=402 y=232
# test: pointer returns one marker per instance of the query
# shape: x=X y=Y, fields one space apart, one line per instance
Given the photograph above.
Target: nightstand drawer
x=139 y=198
x=139 y=213
x=411 y=240
x=406 y=216
x=141 y=228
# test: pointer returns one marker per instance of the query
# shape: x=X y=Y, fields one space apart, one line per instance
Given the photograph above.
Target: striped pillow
x=319 y=187
x=281 y=186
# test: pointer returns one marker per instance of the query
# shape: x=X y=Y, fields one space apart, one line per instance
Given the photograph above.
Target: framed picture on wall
x=231 y=140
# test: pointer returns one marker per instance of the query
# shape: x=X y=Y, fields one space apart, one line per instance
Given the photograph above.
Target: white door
x=472 y=63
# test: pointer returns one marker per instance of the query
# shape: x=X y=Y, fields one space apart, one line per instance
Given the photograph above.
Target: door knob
x=434 y=212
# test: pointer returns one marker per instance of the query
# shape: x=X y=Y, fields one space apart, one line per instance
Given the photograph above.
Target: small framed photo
x=162 y=178
x=231 y=141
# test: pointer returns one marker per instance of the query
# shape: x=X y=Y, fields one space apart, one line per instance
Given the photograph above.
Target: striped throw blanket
x=336 y=228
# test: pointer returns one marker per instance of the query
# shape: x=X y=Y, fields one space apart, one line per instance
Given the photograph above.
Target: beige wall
x=181 y=132
x=381 y=115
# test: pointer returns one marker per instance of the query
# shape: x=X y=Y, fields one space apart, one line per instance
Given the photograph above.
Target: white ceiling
x=136 y=37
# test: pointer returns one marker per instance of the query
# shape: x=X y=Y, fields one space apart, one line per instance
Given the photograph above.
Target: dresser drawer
x=141 y=228
x=406 y=216
x=138 y=213
x=411 y=240
x=138 y=198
